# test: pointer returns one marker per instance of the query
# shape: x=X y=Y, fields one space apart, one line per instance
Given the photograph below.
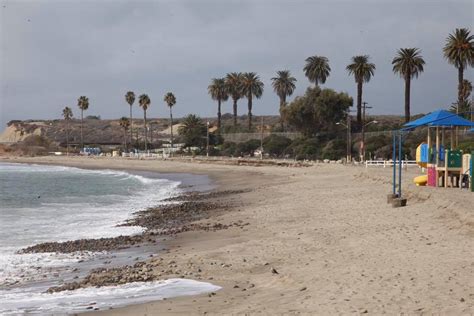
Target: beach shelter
x=439 y=118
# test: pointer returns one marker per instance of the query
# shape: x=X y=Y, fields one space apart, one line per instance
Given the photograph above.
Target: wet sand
x=319 y=240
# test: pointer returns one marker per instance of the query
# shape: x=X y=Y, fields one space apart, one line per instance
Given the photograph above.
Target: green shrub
x=228 y=149
x=304 y=148
x=334 y=149
x=276 y=145
x=36 y=140
x=466 y=146
x=247 y=148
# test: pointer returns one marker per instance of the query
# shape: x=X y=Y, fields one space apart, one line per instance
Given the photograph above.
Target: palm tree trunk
x=282 y=105
x=235 y=112
x=171 y=119
x=82 y=126
x=131 y=126
x=219 y=115
x=359 y=104
x=407 y=98
x=250 y=111
x=67 y=137
x=460 y=82
x=146 y=132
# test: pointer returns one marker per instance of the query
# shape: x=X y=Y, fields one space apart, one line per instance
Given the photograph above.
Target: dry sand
x=337 y=246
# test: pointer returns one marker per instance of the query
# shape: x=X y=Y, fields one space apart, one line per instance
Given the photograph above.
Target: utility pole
x=362 y=143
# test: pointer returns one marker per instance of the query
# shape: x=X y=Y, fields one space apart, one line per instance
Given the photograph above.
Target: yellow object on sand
x=421 y=180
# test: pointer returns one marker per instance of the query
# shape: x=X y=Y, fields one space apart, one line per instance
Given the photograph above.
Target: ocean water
x=52 y=203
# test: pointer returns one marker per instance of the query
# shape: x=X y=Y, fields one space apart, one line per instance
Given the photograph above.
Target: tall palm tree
x=218 y=92
x=283 y=85
x=459 y=51
x=408 y=63
x=67 y=114
x=317 y=69
x=233 y=83
x=362 y=71
x=252 y=86
x=83 y=104
x=125 y=124
x=144 y=102
x=130 y=98
x=465 y=104
x=170 y=100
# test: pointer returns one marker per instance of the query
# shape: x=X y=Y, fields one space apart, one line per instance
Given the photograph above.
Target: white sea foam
x=66 y=302
x=72 y=215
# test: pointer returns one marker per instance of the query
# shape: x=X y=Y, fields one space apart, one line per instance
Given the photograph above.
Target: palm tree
x=130 y=98
x=125 y=124
x=317 y=69
x=67 y=114
x=252 y=86
x=465 y=105
x=170 y=100
x=459 y=51
x=193 y=130
x=283 y=85
x=362 y=71
x=408 y=63
x=218 y=92
x=144 y=102
x=233 y=83
x=83 y=104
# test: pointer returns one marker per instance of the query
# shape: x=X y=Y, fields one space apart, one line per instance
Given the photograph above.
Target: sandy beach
x=319 y=240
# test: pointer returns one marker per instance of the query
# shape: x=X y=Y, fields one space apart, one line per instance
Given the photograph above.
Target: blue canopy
x=439 y=118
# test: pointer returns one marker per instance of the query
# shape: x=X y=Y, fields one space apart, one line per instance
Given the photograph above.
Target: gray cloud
x=54 y=51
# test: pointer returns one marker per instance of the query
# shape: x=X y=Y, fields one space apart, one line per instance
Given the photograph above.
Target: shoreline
x=320 y=240
x=199 y=195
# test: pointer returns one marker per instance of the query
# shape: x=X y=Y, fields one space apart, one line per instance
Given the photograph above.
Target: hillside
x=98 y=131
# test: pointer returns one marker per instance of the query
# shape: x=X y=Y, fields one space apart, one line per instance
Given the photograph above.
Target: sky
x=52 y=52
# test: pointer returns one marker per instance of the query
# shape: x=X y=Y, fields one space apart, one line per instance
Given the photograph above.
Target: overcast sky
x=52 y=52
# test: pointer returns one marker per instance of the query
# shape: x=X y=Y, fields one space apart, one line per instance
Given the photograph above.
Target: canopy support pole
x=394 y=157
x=400 y=165
x=437 y=145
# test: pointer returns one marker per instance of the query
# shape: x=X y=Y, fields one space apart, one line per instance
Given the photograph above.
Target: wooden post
x=452 y=138
x=428 y=141
x=443 y=137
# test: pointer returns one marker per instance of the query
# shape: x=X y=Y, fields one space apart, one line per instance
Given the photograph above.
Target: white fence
x=389 y=163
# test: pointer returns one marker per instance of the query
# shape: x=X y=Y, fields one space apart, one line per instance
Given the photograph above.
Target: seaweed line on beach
x=184 y=213
x=168 y=219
